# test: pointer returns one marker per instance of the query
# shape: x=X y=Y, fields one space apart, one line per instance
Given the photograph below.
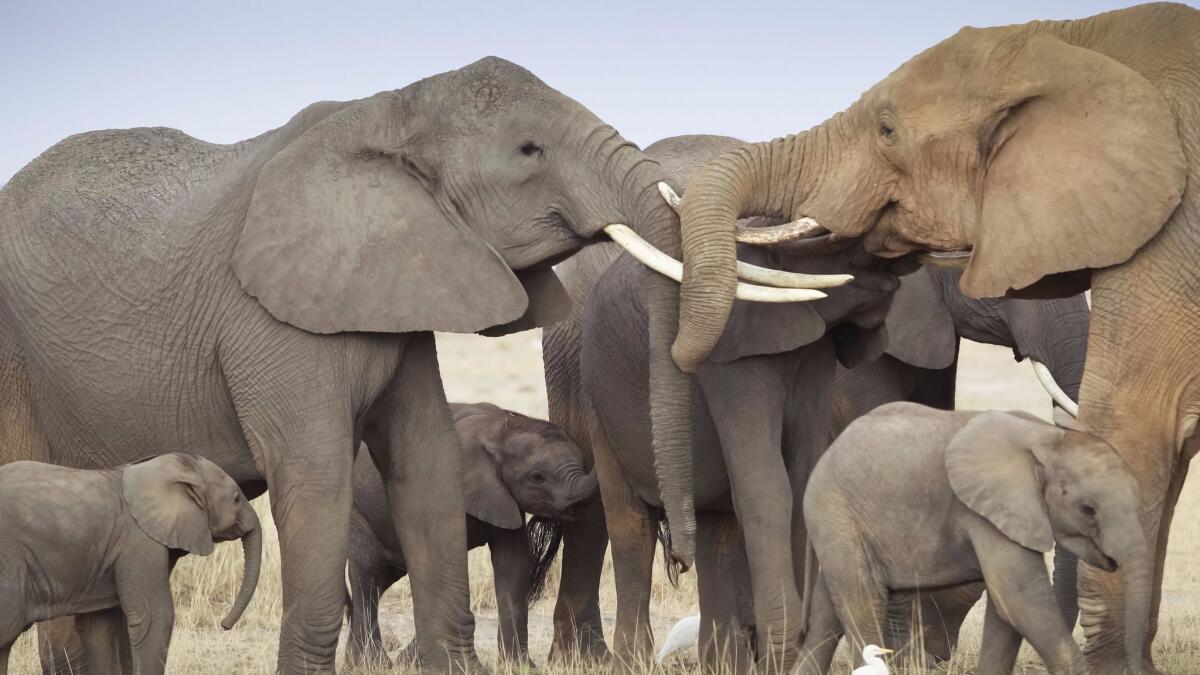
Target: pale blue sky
x=227 y=70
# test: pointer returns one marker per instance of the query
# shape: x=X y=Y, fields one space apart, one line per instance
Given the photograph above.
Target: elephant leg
x=942 y=613
x=1001 y=643
x=745 y=400
x=723 y=580
x=144 y=591
x=415 y=446
x=824 y=630
x=1020 y=591
x=106 y=639
x=512 y=567
x=370 y=577
x=60 y=649
x=632 y=530
x=578 y=629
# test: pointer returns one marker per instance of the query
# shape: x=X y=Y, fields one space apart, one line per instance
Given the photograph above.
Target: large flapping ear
x=920 y=330
x=487 y=497
x=165 y=495
x=758 y=328
x=342 y=234
x=1086 y=168
x=549 y=303
x=993 y=470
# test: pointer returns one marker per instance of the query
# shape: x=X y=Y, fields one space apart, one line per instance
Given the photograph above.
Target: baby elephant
x=100 y=545
x=511 y=464
x=911 y=498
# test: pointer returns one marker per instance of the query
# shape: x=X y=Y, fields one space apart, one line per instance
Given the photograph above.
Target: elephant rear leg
x=60 y=647
x=726 y=612
x=370 y=577
x=822 y=633
x=632 y=529
x=578 y=628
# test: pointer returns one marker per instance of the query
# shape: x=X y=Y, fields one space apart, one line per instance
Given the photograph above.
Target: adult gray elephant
x=597 y=371
x=273 y=301
x=1047 y=155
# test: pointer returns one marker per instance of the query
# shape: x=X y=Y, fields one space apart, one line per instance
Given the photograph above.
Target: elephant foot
x=410 y=659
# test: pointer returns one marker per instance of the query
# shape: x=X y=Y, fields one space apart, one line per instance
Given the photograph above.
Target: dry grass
x=508 y=372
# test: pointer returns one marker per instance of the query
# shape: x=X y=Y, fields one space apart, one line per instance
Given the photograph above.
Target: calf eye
x=537 y=477
x=1088 y=510
x=529 y=149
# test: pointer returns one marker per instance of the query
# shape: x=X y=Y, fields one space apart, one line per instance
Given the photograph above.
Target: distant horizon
x=224 y=72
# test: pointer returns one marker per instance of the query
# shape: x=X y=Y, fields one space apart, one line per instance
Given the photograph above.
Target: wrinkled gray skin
x=1053 y=332
x=277 y=298
x=912 y=497
x=100 y=545
x=513 y=465
x=750 y=425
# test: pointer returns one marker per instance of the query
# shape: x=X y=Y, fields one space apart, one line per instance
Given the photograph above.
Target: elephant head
x=518 y=464
x=1023 y=145
x=186 y=502
x=1039 y=483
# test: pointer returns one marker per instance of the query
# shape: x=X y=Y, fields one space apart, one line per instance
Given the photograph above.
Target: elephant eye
x=537 y=477
x=885 y=130
x=530 y=149
x=1088 y=510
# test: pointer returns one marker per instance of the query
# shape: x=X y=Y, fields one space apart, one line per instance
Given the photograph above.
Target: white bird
x=683 y=634
x=875 y=665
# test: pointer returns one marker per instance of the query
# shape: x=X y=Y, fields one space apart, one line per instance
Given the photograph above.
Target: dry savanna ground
x=508 y=371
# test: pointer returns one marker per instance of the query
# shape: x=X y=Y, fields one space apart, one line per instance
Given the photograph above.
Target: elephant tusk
x=781 y=279
x=669 y=195
x=673 y=269
x=804 y=228
x=1056 y=393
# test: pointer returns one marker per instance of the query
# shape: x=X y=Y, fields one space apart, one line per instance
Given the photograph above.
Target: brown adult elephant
x=274 y=302
x=1043 y=156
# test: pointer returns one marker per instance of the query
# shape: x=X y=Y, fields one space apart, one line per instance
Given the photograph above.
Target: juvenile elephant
x=100 y=544
x=512 y=464
x=1049 y=332
x=1045 y=158
x=910 y=498
x=281 y=294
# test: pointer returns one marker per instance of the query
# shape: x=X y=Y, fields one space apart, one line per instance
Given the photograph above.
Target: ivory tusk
x=673 y=269
x=1056 y=393
x=669 y=195
x=781 y=279
x=803 y=228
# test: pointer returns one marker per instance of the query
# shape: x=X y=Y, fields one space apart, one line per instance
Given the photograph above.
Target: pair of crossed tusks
x=767 y=285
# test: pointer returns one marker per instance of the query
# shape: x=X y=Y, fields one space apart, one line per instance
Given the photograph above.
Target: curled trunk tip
x=251 y=566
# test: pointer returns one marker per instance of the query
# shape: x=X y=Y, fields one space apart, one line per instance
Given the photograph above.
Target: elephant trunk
x=586 y=487
x=753 y=180
x=1137 y=573
x=636 y=179
x=252 y=565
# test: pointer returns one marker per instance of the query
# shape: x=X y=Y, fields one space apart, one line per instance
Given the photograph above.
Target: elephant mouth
x=952 y=259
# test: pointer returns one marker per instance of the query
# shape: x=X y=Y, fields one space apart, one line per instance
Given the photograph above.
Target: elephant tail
x=545 y=536
x=810 y=586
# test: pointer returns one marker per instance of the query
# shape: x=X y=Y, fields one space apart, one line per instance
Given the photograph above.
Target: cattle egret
x=875 y=665
x=682 y=635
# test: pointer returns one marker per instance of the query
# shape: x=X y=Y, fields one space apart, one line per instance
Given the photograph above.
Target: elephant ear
x=165 y=495
x=992 y=468
x=758 y=328
x=487 y=497
x=342 y=234
x=549 y=303
x=1085 y=169
x=920 y=330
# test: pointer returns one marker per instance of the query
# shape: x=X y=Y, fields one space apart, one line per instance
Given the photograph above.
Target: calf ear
x=992 y=468
x=165 y=495
x=920 y=330
x=757 y=328
x=487 y=497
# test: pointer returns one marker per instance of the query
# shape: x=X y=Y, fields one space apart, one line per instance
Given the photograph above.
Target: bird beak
x=885 y=651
